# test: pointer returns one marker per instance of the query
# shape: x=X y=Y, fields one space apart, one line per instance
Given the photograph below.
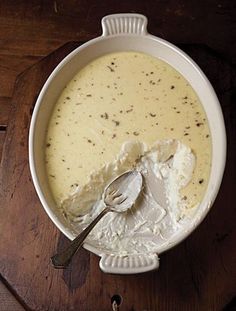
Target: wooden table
x=200 y=273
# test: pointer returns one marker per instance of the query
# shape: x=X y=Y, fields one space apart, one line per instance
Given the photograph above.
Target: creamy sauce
x=118 y=98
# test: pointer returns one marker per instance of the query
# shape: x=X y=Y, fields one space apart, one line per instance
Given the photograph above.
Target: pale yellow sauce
x=119 y=97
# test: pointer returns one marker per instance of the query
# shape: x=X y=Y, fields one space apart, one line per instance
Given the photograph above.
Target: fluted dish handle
x=137 y=263
x=128 y=23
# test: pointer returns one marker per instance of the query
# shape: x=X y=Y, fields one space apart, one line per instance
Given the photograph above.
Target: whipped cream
x=167 y=167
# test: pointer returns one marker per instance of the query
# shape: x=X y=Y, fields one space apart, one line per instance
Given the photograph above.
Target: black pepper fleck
x=105 y=116
x=116 y=122
x=129 y=110
x=111 y=69
x=199 y=124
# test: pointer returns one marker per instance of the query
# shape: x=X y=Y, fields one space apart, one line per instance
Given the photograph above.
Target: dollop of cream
x=167 y=167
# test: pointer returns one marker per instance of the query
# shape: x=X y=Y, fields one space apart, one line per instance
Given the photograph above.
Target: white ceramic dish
x=123 y=32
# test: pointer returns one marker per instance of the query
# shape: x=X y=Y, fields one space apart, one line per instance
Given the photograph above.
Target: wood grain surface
x=198 y=274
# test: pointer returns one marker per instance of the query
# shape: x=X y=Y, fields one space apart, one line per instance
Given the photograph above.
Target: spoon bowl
x=123 y=191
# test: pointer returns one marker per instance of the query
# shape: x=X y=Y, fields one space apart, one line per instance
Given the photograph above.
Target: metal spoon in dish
x=118 y=196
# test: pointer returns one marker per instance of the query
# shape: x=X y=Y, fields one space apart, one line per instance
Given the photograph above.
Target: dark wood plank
x=7 y=301
x=5 y=108
x=10 y=67
x=2 y=139
x=199 y=274
x=38 y=27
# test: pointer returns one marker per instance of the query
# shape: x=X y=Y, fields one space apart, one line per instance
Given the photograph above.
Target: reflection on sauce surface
x=120 y=97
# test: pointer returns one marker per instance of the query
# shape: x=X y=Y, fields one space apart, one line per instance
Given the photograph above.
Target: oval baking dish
x=125 y=32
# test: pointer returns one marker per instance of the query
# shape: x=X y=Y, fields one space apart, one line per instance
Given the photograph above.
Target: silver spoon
x=118 y=197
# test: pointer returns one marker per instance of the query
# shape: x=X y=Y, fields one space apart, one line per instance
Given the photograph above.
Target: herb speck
x=153 y=115
x=111 y=69
x=116 y=122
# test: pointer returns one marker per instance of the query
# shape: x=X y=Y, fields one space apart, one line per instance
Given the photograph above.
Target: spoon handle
x=61 y=260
